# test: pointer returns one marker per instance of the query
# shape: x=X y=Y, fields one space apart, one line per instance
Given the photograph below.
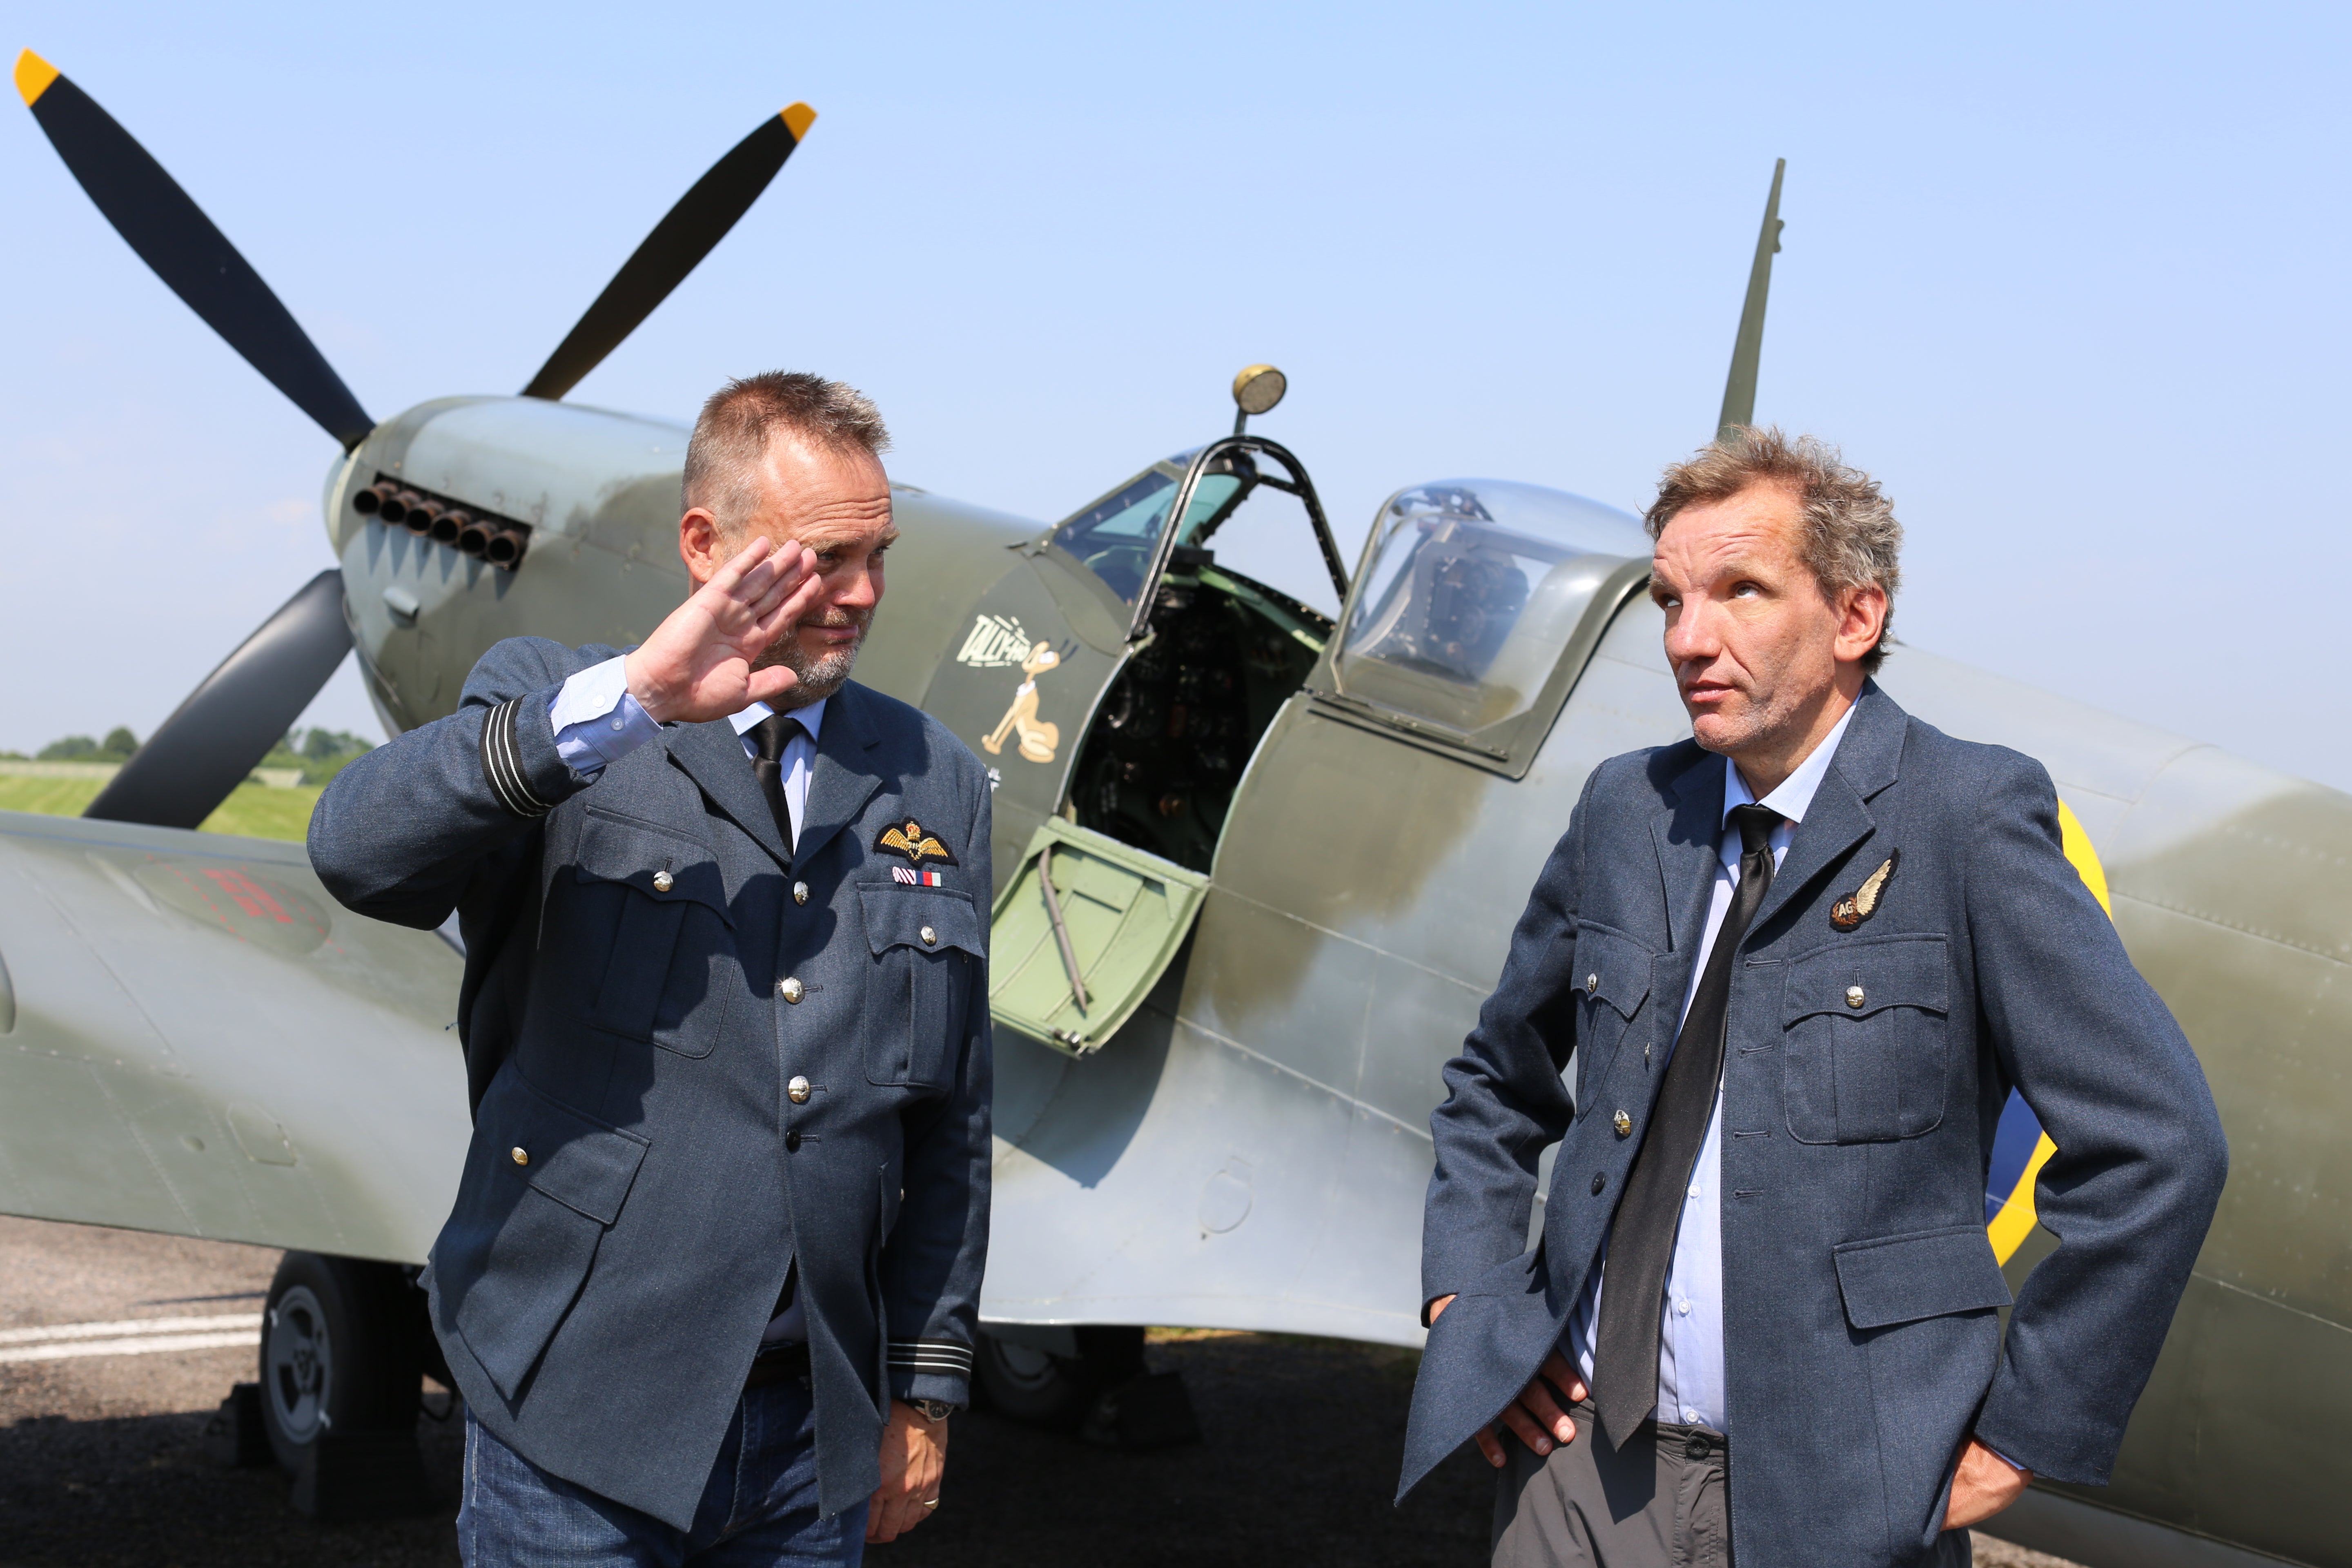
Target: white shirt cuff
x=595 y=720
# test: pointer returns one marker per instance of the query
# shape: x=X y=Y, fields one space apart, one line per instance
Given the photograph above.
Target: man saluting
x=1802 y=958
x=709 y=1288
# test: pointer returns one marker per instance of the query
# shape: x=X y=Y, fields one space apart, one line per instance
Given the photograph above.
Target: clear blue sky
x=2072 y=280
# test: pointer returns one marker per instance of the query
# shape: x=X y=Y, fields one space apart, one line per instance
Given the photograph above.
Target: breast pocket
x=1865 y=1027
x=654 y=905
x=927 y=954
x=1612 y=976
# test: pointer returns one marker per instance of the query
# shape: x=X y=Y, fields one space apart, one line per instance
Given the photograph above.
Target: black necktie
x=1641 y=1237
x=772 y=734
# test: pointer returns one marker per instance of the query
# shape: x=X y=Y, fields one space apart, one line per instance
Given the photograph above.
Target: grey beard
x=819 y=678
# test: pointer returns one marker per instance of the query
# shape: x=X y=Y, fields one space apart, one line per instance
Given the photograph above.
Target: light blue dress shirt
x=597 y=723
x=1690 y=1341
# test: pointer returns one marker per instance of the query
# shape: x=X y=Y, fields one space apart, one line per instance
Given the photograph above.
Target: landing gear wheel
x=339 y=1352
x=1040 y=1389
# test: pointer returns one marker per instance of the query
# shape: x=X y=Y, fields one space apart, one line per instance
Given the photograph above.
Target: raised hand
x=696 y=666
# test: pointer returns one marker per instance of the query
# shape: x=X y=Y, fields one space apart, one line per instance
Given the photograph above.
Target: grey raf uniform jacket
x=645 y=978
x=1864 y=1076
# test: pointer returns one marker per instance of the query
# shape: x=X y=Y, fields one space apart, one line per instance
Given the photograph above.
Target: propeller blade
x=1747 y=349
x=676 y=246
x=230 y=721
x=173 y=237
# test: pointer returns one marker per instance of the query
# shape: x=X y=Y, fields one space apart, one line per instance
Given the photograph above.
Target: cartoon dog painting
x=1038 y=738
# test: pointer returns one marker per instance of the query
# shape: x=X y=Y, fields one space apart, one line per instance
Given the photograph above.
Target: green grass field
x=251 y=811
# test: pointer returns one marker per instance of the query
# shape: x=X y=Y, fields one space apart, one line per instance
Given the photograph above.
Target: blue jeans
x=757 y=1510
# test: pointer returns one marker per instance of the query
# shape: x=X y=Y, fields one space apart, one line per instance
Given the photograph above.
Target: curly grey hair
x=1851 y=537
x=742 y=417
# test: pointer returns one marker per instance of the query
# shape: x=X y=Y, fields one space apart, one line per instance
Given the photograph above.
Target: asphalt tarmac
x=116 y=1346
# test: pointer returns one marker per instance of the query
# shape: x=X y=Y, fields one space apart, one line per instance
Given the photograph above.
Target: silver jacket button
x=519 y=1154
x=663 y=882
x=930 y=937
x=791 y=988
x=800 y=892
x=1853 y=997
x=799 y=1090
x=1591 y=983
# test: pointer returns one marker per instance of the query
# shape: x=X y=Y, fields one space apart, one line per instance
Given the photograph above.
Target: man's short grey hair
x=742 y=417
x=1851 y=537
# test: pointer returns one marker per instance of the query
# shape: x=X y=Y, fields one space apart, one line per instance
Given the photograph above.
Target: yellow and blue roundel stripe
x=2019 y=1147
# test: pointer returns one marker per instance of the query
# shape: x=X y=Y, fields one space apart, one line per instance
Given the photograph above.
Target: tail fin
x=1747 y=349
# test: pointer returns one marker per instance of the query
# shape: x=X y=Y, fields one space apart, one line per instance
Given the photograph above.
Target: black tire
x=339 y=1352
x=1038 y=1389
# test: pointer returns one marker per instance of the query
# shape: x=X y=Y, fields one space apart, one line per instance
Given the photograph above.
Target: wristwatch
x=933 y=1409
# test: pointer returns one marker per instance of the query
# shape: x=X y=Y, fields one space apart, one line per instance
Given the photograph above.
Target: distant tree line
x=320 y=754
x=117 y=747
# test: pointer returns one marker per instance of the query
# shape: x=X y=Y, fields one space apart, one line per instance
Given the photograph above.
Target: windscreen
x=1114 y=537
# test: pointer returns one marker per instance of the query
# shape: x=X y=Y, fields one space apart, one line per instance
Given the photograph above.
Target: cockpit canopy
x=1470 y=593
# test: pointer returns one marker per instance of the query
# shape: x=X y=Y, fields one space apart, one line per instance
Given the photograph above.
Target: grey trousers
x=1663 y=1501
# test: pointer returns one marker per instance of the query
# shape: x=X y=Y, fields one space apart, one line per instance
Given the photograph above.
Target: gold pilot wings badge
x=1863 y=902
x=916 y=842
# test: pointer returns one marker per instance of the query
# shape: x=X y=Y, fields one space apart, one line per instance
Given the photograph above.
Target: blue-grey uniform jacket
x=1864 y=1074
x=649 y=967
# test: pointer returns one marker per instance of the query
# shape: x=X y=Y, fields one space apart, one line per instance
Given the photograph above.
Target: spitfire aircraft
x=1256 y=868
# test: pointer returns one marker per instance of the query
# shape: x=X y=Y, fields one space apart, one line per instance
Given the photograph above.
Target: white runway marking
x=132 y=1336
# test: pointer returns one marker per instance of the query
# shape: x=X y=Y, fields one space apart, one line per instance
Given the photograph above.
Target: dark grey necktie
x=772 y=734
x=1641 y=1237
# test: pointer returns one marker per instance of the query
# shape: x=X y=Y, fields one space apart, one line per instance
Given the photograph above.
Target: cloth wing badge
x=1863 y=902
x=914 y=841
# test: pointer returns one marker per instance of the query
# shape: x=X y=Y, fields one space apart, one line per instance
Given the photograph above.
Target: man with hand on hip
x=730 y=1061
x=1800 y=959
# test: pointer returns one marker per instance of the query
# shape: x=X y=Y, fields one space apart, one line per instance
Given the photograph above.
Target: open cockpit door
x=1117 y=683
x=1024 y=676
x=1117 y=677
x=1083 y=931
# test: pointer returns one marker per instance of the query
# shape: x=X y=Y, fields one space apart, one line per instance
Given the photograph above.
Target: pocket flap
x=1613 y=966
x=1924 y=1274
x=897 y=915
x=1855 y=979
x=574 y=1158
x=620 y=850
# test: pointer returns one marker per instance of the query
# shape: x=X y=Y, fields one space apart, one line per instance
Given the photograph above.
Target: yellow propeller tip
x=797 y=119
x=34 y=75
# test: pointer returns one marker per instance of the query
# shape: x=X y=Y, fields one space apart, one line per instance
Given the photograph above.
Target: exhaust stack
x=484 y=535
x=505 y=548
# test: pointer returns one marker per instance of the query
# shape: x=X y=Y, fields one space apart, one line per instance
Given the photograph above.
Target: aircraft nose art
x=1022 y=675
